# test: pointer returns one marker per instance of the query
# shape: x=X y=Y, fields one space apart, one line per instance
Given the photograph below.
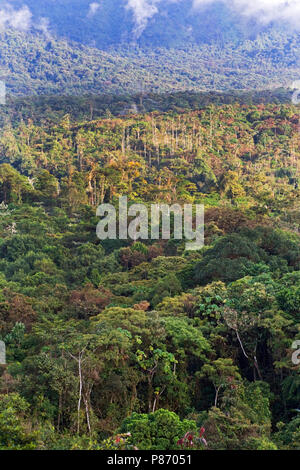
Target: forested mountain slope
x=121 y=46
x=51 y=109
x=190 y=345
x=142 y=344
x=32 y=63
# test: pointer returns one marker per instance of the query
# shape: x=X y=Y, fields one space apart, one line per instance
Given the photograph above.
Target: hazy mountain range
x=74 y=46
x=150 y=22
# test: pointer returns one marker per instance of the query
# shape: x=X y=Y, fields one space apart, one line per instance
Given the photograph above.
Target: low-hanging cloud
x=264 y=11
x=143 y=11
x=43 y=26
x=20 y=19
x=93 y=8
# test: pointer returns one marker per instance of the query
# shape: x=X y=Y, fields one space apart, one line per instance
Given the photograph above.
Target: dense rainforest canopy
x=119 y=344
x=32 y=63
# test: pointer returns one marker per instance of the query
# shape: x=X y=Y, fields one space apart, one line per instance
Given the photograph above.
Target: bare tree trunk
x=80 y=393
x=87 y=414
x=241 y=344
x=157 y=399
x=217 y=395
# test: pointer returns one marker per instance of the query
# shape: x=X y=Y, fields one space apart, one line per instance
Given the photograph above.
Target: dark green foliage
x=163 y=341
x=56 y=66
x=158 y=431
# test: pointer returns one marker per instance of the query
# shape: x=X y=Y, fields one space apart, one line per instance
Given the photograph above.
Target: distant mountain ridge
x=152 y=23
x=31 y=64
x=80 y=47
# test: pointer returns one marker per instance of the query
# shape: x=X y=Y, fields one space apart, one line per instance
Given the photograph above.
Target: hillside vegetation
x=34 y=64
x=106 y=338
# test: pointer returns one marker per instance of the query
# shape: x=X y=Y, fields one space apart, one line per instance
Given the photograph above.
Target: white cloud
x=264 y=11
x=143 y=11
x=43 y=26
x=20 y=19
x=93 y=8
